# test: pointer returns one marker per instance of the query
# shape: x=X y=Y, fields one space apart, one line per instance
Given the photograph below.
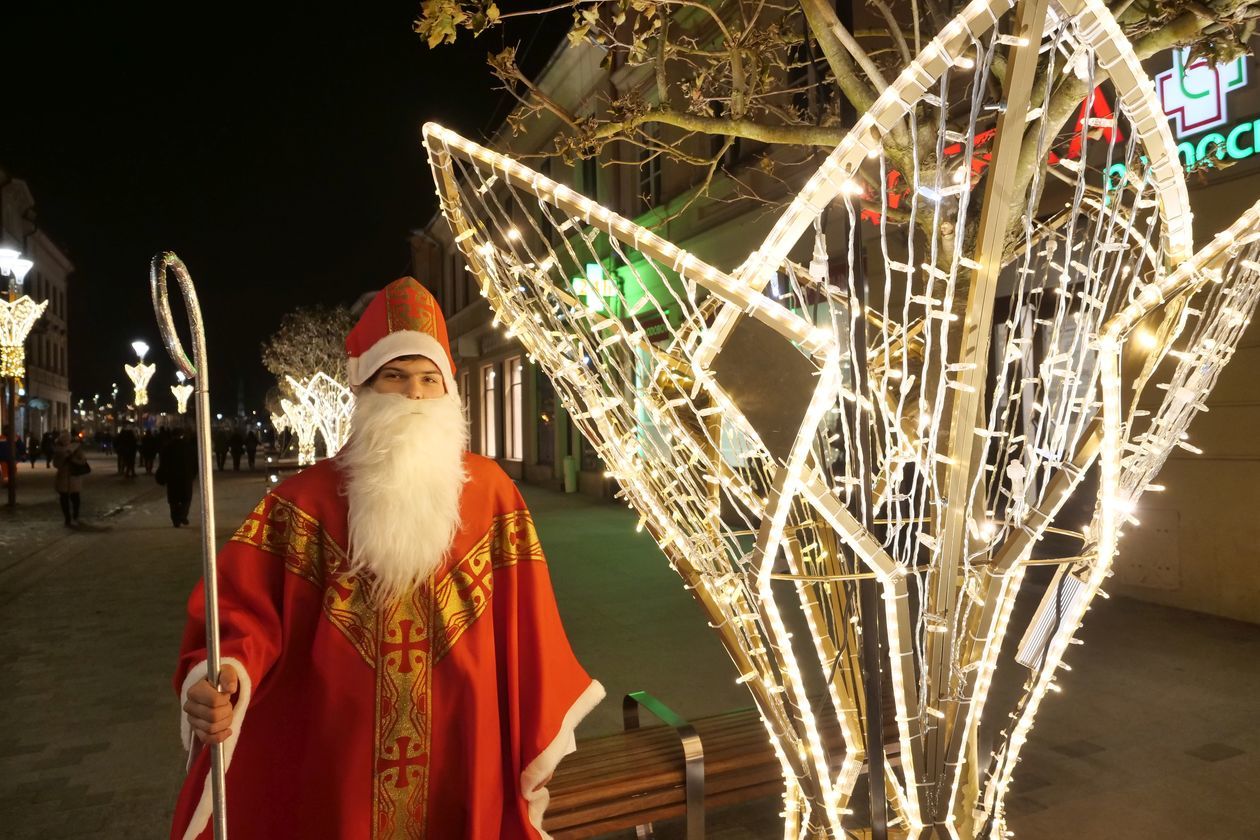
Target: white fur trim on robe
x=201 y=816
x=540 y=769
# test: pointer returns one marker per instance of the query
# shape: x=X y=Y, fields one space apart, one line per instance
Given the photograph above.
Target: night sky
x=274 y=147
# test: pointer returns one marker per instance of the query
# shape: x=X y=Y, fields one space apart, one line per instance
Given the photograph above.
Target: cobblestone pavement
x=88 y=639
x=1153 y=736
x=37 y=521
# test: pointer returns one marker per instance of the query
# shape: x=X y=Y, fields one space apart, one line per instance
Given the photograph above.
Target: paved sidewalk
x=1153 y=736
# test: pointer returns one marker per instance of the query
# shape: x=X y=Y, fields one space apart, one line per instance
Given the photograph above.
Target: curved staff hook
x=197 y=371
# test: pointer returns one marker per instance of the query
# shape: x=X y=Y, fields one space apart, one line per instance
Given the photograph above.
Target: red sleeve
x=251 y=585
x=547 y=692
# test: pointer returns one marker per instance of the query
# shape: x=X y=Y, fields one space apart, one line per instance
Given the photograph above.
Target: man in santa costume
x=393 y=660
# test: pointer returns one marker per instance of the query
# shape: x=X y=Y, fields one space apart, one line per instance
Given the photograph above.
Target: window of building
x=649 y=179
x=489 y=411
x=546 y=421
x=513 y=438
x=448 y=284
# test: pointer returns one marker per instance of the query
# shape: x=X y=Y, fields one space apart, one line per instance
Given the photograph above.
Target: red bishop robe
x=442 y=717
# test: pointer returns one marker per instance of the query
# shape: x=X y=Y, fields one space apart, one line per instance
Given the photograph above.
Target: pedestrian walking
x=6 y=441
x=47 y=445
x=237 y=444
x=32 y=450
x=148 y=451
x=177 y=469
x=71 y=466
x=126 y=446
x=219 y=441
x=251 y=447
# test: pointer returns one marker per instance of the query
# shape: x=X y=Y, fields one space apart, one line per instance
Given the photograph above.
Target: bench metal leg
x=693 y=753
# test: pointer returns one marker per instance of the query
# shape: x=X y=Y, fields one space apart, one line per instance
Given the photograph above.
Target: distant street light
x=140 y=373
x=18 y=313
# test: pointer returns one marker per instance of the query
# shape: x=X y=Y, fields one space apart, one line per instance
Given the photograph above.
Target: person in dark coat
x=177 y=469
x=126 y=445
x=47 y=445
x=148 y=451
x=33 y=450
x=251 y=447
x=219 y=441
x=237 y=444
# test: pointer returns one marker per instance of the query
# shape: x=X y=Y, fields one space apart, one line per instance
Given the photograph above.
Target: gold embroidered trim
x=402 y=643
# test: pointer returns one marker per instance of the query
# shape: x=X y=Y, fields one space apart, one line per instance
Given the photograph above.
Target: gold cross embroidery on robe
x=401 y=643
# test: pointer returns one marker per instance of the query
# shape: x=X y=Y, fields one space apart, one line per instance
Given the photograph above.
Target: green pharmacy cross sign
x=595 y=287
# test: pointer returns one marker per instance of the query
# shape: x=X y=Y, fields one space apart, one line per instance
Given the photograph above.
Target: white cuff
x=540 y=769
x=201 y=816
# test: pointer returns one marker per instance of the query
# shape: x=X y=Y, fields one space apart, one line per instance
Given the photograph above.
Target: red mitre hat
x=404 y=319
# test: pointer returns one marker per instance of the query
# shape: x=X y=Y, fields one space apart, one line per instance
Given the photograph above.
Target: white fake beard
x=404 y=474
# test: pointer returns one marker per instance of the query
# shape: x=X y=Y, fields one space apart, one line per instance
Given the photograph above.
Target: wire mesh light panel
x=920 y=417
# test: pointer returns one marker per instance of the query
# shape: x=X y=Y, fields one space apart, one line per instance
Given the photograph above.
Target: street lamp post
x=18 y=313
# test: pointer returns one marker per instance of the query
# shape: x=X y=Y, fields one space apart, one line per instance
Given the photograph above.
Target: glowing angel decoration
x=140 y=374
x=853 y=471
x=181 y=391
x=16 y=319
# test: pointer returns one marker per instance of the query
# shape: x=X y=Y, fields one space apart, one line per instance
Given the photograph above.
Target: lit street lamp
x=18 y=313
x=182 y=392
x=140 y=373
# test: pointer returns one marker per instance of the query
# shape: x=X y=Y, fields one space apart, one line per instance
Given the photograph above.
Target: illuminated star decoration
x=785 y=435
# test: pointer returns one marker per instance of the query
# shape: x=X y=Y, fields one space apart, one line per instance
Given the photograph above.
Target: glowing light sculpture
x=181 y=392
x=331 y=403
x=16 y=319
x=140 y=374
x=924 y=426
x=302 y=420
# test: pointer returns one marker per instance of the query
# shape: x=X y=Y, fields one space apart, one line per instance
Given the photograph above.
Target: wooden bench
x=632 y=778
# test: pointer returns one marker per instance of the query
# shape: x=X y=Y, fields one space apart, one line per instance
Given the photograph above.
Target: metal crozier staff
x=197 y=371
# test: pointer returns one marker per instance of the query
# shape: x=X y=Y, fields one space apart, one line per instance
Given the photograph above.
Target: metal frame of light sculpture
x=332 y=405
x=976 y=419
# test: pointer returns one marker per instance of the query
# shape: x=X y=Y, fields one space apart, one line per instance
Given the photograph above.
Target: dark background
x=274 y=146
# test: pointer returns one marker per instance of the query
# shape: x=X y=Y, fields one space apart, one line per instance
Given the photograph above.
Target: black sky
x=274 y=146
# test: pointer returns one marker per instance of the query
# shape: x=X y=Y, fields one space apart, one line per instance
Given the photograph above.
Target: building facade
x=44 y=395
